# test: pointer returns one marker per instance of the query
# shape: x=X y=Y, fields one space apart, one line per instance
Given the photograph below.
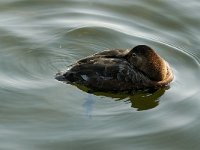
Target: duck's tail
x=69 y=77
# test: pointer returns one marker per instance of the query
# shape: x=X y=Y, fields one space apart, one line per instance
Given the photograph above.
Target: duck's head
x=148 y=61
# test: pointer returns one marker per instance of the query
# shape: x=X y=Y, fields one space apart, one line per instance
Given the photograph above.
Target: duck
x=120 y=70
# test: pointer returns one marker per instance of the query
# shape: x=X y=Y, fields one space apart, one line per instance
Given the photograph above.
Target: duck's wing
x=116 y=53
x=111 y=74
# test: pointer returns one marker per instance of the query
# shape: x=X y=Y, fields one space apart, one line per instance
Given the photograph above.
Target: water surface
x=39 y=38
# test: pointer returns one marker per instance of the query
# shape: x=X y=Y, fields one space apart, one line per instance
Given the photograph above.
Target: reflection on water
x=145 y=101
x=89 y=105
x=39 y=38
x=141 y=100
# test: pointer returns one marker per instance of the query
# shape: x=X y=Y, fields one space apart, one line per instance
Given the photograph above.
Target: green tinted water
x=39 y=38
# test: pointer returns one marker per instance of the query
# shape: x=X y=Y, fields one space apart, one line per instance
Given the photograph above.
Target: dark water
x=40 y=37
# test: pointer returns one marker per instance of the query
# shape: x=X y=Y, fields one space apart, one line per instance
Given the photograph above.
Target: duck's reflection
x=144 y=101
x=89 y=105
x=140 y=100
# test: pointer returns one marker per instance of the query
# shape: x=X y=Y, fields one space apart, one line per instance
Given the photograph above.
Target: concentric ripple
x=40 y=38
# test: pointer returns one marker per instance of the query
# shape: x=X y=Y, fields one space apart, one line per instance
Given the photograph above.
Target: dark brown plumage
x=120 y=70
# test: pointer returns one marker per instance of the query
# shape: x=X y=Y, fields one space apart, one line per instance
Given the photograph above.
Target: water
x=39 y=38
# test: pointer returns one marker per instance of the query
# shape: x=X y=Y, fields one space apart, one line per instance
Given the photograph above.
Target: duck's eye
x=134 y=55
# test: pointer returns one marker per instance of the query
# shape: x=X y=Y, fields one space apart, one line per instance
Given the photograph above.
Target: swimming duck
x=120 y=70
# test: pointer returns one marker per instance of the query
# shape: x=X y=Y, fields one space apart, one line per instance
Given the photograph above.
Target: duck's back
x=107 y=71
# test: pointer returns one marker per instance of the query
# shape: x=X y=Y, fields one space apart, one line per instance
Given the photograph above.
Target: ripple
x=38 y=39
x=184 y=86
x=23 y=83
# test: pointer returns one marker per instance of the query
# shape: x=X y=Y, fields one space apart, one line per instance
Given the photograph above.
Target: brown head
x=148 y=61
